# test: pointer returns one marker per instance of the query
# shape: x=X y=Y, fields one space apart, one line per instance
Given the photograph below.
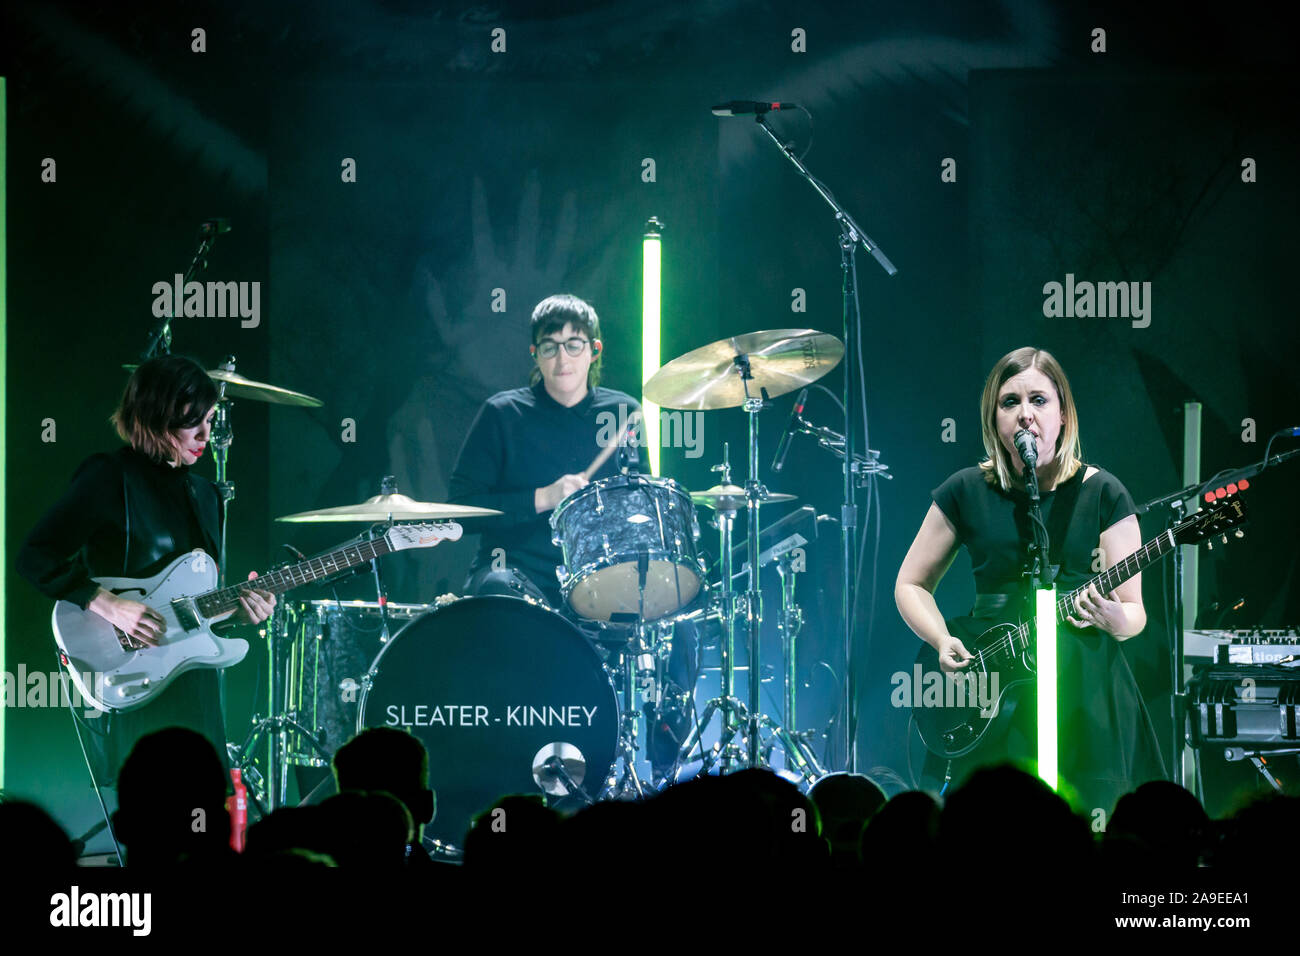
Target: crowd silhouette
x=1002 y=820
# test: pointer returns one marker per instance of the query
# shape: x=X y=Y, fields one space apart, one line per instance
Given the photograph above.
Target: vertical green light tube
x=650 y=276
x=4 y=435
x=1045 y=655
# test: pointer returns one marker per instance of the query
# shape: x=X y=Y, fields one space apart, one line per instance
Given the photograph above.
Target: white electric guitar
x=115 y=672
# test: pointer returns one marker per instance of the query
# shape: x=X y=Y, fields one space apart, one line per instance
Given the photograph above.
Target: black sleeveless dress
x=1107 y=744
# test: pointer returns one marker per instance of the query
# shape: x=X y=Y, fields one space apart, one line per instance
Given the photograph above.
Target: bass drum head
x=494 y=686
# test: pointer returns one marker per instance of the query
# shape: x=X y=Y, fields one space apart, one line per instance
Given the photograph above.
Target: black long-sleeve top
x=122 y=515
x=522 y=440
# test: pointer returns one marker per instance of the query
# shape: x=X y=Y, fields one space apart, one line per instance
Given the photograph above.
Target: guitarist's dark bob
x=164 y=395
x=998 y=469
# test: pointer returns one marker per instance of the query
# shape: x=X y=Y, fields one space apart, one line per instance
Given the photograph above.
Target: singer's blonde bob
x=998 y=467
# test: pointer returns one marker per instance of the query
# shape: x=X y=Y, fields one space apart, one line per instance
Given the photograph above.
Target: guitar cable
x=94 y=782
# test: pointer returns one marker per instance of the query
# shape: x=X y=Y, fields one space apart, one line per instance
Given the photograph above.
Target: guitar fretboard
x=277 y=582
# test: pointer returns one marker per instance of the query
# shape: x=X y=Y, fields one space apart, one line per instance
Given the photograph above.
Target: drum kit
x=510 y=695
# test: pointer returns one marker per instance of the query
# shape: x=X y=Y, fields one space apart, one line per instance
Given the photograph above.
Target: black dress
x=126 y=515
x=1107 y=745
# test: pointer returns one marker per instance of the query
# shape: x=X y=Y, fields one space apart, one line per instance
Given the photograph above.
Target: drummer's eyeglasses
x=549 y=348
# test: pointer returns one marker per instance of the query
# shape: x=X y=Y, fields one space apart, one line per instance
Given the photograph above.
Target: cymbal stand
x=733 y=711
x=754 y=492
x=223 y=436
x=798 y=744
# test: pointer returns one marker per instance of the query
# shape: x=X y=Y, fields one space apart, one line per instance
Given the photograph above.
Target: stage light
x=650 y=274
x=1045 y=655
x=4 y=437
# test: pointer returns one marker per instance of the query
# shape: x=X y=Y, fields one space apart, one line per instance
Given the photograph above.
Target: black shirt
x=90 y=531
x=521 y=440
x=994 y=526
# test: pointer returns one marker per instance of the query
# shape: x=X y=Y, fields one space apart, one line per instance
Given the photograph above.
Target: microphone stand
x=1040 y=574
x=851 y=235
x=160 y=339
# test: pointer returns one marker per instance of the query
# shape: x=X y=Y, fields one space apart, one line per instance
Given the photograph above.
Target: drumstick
x=609 y=449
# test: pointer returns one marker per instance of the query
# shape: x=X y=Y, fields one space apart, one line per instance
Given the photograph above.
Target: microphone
x=214 y=227
x=779 y=461
x=1027 y=448
x=747 y=107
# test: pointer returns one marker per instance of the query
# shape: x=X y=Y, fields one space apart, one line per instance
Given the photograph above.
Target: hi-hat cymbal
x=237 y=386
x=389 y=507
x=732 y=498
x=780 y=360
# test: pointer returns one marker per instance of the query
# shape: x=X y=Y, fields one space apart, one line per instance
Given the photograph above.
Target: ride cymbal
x=779 y=360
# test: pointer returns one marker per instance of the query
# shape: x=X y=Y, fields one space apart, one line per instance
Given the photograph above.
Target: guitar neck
x=1108 y=580
x=286 y=579
x=1111 y=578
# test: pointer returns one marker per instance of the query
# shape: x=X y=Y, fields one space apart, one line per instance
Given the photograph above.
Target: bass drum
x=495 y=686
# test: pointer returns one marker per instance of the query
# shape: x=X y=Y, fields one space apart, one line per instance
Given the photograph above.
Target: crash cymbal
x=732 y=498
x=780 y=360
x=237 y=386
x=384 y=507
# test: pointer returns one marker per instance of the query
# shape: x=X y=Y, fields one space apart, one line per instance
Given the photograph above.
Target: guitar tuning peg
x=1225 y=539
x=1209 y=545
x=1239 y=533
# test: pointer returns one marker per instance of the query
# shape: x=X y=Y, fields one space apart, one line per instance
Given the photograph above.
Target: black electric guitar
x=959 y=712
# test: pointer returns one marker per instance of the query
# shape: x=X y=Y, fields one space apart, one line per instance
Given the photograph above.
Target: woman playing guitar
x=1107 y=743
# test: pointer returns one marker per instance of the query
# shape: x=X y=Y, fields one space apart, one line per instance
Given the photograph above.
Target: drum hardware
x=559 y=769
x=743 y=371
x=798 y=744
x=279 y=721
x=285 y=722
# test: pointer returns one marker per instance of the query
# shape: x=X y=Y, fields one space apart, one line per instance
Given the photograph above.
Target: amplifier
x=1244 y=704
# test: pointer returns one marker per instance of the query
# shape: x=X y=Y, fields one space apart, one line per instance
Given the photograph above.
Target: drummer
x=528 y=447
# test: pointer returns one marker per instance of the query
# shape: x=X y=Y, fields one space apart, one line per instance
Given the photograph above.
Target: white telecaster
x=116 y=673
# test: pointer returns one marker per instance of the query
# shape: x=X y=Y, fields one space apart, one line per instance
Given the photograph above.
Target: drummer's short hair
x=165 y=394
x=553 y=313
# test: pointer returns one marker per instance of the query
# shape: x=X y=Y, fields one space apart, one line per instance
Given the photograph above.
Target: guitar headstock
x=1222 y=510
x=401 y=537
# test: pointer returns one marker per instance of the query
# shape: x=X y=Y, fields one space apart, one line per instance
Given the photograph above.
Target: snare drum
x=617 y=529
x=494 y=687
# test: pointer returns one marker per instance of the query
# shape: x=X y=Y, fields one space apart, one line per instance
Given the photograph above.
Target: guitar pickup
x=187 y=613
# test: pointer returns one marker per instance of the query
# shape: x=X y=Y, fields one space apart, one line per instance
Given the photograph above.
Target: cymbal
x=385 y=507
x=732 y=498
x=237 y=386
x=780 y=360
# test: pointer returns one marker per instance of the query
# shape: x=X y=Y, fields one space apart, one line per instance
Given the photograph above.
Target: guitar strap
x=1059 y=521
